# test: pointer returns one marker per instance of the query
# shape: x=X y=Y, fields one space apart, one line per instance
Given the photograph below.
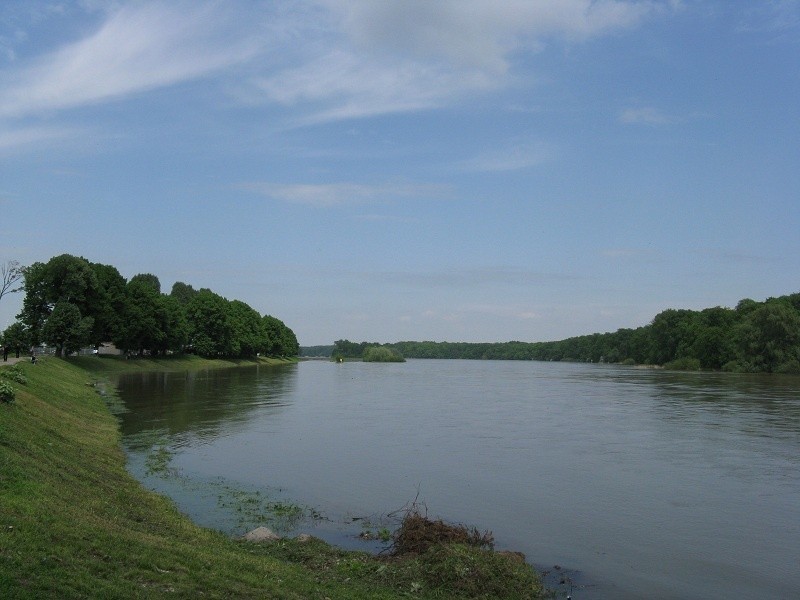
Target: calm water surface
x=640 y=483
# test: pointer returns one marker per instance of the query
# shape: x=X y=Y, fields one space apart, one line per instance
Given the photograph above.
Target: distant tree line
x=71 y=303
x=317 y=351
x=753 y=337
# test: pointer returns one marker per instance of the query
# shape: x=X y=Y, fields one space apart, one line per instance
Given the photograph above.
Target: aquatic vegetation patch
x=252 y=508
x=157 y=462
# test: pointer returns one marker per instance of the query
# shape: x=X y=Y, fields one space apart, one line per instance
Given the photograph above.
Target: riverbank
x=75 y=524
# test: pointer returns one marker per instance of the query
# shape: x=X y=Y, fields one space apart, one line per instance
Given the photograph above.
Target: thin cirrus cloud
x=19 y=137
x=356 y=59
x=523 y=156
x=138 y=47
x=389 y=57
x=340 y=194
x=646 y=115
x=325 y=60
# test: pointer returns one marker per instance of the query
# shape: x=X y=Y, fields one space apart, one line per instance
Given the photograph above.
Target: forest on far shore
x=753 y=337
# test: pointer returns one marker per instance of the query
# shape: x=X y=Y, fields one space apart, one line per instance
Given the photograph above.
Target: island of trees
x=71 y=303
x=752 y=337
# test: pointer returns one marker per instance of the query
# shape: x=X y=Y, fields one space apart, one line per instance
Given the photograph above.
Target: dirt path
x=11 y=360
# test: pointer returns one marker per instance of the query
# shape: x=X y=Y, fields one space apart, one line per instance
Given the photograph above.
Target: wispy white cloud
x=388 y=57
x=646 y=115
x=327 y=60
x=340 y=194
x=467 y=278
x=772 y=16
x=139 y=47
x=341 y=85
x=626 y=252
x=14 y=138
x=375 y=218
x=480 y=33
x=521 y=156
x=512 y=311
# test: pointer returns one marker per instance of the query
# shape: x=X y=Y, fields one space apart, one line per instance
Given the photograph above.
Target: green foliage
x=16 y=337
x=382 y=354
x=7 y=393
x=66 y=329
x=279 y=339
x=149 y=280
x=683 y=364
x=753 y=337
x=71 y=302
x=15 y=374
x=470 y=572
x=182 y=292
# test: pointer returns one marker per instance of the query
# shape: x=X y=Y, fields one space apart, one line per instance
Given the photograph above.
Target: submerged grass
x=75 y=524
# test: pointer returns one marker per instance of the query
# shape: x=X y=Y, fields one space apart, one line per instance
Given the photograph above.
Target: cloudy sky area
x=462 y=170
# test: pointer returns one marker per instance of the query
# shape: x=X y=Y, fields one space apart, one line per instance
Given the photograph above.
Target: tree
x=107 y=304
x=63 y=278
x=148 y=279
x=11 y=273
x=16 y=337
x=247 y=327
x=66 y=329
x=280 y=340
x=769 y=338
x=175 y=324
x=211 y=332
x=182 y=292
x=142 y=325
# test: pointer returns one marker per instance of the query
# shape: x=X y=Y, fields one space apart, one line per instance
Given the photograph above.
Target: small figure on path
x=5 y=353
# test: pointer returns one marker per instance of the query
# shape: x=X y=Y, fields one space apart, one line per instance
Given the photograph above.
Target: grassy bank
x=75 y=524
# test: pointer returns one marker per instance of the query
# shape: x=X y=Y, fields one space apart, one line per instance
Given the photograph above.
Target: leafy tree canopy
x=70 y=302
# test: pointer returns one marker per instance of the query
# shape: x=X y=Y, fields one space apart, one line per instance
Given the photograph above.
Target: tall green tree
x=211 y=332
x=279 y=340
x=63 y=278
x=248 y=331
x=16 y=338
x=66 y=329
x=142 y=324
x=107 y=306
x=769 y=338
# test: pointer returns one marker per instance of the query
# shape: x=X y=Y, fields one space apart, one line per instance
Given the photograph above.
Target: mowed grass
x=75 y=524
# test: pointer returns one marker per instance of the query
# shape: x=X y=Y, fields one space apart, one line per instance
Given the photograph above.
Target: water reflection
x=201 y=405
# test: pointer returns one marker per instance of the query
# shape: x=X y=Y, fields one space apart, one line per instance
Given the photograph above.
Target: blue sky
x=461 y=170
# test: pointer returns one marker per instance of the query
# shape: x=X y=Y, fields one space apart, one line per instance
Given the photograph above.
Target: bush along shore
x=75 y=524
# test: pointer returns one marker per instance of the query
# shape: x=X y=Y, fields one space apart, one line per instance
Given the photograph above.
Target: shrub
x=7 y=393
x=472 y=572
x=683 y=364
x=14 y=374
x=381 y=354
x=790 y=366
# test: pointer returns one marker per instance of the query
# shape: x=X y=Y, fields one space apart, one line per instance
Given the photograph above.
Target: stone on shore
x=261 y=534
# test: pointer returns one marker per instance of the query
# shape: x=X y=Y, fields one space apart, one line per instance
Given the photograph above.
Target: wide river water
x=636 y=483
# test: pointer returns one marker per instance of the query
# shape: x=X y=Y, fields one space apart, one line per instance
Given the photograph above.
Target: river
x=637 y=483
